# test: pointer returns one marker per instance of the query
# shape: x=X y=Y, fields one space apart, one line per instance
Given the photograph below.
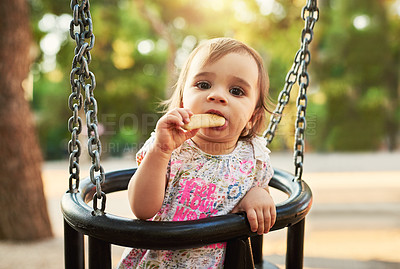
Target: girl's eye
x=203 y=85
x=236 y=91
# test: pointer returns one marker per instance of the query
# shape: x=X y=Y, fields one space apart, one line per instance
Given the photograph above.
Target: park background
x=353 y=116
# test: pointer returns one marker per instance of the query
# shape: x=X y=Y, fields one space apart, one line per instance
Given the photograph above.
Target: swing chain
x=297 y=74
x=82 y=79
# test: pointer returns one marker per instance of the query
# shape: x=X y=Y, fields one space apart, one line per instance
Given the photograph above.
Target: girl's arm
x=147 y=186
x=146 y=189
x=260 y=209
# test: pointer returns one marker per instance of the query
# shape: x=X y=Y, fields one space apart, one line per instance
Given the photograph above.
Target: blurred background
x=353 y=100
x=353 y=108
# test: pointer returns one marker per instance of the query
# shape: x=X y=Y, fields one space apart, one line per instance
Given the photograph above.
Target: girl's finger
x=273 y=216
x=190 y=134
x=261 y=222
x=252 y=218
x=185 y=114
x=174 y=118
x=267 y=221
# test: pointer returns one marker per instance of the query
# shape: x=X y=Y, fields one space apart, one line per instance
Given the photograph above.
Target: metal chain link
x=81 y=30
x=297 y=74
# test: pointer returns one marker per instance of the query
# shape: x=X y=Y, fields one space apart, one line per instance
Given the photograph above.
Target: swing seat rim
x=176 y=234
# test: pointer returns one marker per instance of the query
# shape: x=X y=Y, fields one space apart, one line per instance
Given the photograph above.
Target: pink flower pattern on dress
x=211 y=186
x=246 y=166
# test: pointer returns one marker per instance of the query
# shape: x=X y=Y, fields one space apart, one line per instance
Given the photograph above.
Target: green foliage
x=317 y=131
x=123 y=142
x=352 y=124
x=354 y=76
x=356 y=73
x=50 y=102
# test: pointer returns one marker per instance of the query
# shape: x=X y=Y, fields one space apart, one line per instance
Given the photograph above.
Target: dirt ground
x=354 y=221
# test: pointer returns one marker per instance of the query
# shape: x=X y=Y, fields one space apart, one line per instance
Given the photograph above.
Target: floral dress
x=201 y=185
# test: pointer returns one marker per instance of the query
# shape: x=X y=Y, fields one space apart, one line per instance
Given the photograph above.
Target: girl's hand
x=260 y=209
x=169 y=134
x=146 y=190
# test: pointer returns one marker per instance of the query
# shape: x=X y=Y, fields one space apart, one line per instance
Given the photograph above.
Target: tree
x=354 y=90
x=24 y=212
x=359 y=76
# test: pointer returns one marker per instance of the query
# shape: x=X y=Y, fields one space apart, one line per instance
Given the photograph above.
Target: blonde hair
x=217 y=48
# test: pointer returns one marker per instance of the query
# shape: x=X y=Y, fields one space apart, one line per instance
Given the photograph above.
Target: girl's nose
x=217 y=96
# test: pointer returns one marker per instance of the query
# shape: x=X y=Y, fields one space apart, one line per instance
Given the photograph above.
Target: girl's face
x=227 y=87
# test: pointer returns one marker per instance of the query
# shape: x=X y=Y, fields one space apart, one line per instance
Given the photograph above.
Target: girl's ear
x=249 y=125
x=181 y=105
x=255 y=117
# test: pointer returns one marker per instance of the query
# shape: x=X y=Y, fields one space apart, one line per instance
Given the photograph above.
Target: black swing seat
x=143 y=234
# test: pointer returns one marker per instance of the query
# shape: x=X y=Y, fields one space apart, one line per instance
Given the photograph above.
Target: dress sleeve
x=142 y=152
x=264 y=171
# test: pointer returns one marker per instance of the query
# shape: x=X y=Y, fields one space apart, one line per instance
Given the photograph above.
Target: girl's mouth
x=216 y=112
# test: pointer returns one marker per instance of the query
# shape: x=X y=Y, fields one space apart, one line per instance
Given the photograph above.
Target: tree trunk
x=160 y=28
x=23 y=206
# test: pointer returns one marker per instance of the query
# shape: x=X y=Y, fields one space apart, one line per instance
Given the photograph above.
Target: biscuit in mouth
x=204 y=121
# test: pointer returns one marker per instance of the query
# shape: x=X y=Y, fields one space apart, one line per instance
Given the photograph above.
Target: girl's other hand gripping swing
x=209 y=171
